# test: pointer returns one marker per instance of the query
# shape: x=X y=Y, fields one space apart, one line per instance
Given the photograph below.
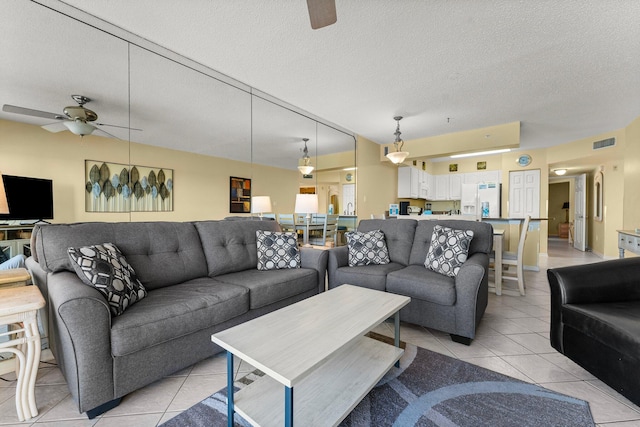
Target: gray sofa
x=201 y=278
x=452 y=305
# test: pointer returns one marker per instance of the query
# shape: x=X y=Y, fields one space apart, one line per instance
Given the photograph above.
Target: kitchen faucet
x=348 y=210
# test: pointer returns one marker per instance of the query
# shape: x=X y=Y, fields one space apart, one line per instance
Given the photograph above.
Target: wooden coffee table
x=317 y=347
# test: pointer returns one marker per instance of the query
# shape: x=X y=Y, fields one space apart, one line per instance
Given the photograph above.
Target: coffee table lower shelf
x=328 y=394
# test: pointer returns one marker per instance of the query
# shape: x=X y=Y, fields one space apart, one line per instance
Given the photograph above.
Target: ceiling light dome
x=79 y=127
x=560 y=172
x=397 y=156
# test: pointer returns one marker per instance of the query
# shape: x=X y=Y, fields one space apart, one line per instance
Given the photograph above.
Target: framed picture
x=453 y=167
x=239 y=195
x=308 y=189
x=481 y=165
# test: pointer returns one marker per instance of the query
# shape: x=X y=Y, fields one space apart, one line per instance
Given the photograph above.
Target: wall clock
x=349 y=177
x=524 y=160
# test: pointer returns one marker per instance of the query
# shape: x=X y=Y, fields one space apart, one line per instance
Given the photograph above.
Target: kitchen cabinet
x=408 y=183
x=426 y=185
x=455 y=186
x=482 y=176
x=441 y=187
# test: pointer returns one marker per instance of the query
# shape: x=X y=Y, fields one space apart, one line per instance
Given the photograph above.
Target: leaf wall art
x=115 y=187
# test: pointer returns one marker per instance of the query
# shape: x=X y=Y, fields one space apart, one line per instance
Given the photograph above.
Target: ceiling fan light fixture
x=306 y=167
x=79 y=127
x=560 y=172
x=398 y=156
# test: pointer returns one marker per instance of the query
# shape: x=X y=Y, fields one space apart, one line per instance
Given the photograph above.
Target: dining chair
x=374 y=216
x=327 y=232
x=515 y=259
x=286 y=222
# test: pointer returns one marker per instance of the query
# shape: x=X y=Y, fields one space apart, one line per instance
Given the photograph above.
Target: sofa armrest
x=338 y=257
x=600 y=282
x=317 y=260
x=82 y=333
x=471 y=292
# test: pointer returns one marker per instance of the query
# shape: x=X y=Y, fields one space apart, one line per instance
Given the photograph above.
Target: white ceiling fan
x=77 y=118
x=322 y=13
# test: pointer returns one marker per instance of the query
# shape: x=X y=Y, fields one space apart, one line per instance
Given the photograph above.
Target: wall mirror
x=598 y=196
x=175 y=103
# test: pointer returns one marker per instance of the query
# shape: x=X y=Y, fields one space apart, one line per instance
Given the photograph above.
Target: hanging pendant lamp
x=306 y=168
x=397 y=156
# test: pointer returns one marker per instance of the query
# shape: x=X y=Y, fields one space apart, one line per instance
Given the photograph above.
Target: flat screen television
x=28 y=198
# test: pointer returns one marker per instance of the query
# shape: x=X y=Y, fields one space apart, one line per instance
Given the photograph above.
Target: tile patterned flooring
x=513 y=338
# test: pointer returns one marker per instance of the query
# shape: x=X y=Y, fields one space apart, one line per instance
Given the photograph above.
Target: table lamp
x=565 y=206
x=4 y=206
x=260 y=205
x=306 y=203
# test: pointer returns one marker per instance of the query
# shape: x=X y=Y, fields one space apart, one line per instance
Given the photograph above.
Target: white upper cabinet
x=442 y=187
x=455 y=186
x=408 y=183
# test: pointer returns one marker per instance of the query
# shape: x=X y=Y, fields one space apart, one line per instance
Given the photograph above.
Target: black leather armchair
x=595 y=320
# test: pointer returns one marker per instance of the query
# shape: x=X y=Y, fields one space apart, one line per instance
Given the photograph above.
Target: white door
x=524 y=193
x=580 y=213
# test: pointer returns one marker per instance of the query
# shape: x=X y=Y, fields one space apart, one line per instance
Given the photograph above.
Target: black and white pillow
x=106 y=269
x=277 y=250
x=448 y=250
x=367 y=248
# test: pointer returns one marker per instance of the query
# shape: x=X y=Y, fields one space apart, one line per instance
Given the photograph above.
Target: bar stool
x=18 y=309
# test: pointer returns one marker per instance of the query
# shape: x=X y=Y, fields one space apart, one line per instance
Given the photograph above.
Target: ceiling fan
x=322 y=13
x=77 y=118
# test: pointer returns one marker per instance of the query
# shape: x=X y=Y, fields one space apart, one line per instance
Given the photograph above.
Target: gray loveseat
x=452 y=305
x=201 y=278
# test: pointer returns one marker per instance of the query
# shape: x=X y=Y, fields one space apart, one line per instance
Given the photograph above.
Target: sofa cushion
x=448 y=250
x=277 y=250
x=106 y=269
x=230 y=246
x=482 y=237
x=417 y=282
x=615 y=324
x=369 y=276
x=150 y=247
x=367 y=248
x=398 y=235
x=267 y=287
x=175 y=311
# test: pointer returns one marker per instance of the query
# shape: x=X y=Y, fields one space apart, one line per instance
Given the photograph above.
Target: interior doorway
x=559 y=196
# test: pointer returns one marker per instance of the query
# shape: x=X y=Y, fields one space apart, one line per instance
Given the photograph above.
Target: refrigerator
x=476 y=196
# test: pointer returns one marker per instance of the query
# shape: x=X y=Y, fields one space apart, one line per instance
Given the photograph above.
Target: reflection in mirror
x=198 y=112
x=336 y=173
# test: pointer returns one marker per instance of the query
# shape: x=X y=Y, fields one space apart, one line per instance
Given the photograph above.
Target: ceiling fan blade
x=29 y=112
x=322 y=13
x=116 y=126
x=101 y=132
x=55 y=127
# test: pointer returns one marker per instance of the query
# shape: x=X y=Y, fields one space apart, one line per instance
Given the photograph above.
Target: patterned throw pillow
x=448 y=251
x=277 y=250
x=106 y=269
x=367 y=248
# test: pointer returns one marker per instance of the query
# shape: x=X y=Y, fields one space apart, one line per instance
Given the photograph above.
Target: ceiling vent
x=609 y=142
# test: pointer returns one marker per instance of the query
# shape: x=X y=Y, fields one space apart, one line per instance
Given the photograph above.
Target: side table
x=14 y=277
x=18 y=308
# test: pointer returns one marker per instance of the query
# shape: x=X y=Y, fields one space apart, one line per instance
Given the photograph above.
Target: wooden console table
x=628 y=240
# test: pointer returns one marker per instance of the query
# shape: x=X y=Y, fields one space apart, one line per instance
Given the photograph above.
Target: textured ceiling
x=565 y=69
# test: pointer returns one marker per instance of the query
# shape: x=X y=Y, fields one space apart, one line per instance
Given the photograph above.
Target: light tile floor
x=513 y=338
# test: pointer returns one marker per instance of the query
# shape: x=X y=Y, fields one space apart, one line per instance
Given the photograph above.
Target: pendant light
x=397 y=156
x=306 y=168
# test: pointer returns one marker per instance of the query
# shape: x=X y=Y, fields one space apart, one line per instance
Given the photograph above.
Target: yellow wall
x=631 y=200
x=558 y=195
x=201 y=182
x=377 y=181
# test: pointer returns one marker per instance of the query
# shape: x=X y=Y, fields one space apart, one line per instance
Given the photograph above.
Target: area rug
x=430 y=389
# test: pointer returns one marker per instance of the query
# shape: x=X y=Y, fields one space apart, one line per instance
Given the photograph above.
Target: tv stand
x=16 y=239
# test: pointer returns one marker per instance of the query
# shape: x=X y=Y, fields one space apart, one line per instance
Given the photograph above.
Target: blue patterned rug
x=430 y=389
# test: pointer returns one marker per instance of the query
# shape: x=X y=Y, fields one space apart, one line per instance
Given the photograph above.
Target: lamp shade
x=4 y=206
x=79 y=127
x=565 y=205
x=397 y=157
x=306 y=203
x=260 y=204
